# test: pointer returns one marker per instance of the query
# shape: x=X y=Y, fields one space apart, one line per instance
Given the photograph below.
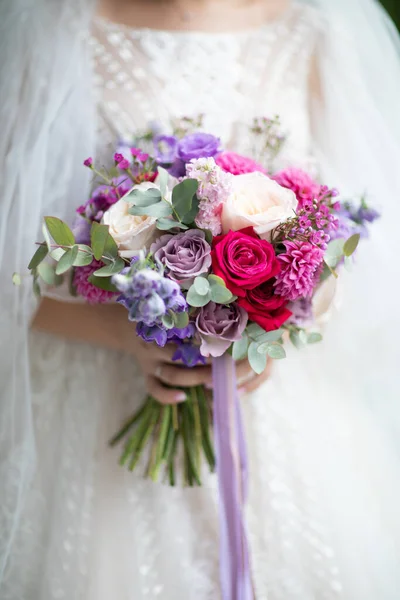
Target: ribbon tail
x=232 y=481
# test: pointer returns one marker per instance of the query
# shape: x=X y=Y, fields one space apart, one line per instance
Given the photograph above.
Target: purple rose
x=219 y=326
x=165 y=148
x=185 y=256
x=194 y=145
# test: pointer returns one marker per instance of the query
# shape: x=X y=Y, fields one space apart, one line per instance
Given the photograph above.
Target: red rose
x=264 y=307
x=243 y=260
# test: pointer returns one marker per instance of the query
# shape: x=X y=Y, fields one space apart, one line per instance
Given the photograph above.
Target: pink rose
x=237 y=164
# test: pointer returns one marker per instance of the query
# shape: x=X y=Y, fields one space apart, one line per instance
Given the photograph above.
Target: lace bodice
x=145 y=75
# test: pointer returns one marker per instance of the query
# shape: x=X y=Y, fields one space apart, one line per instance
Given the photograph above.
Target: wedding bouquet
x=216 y=253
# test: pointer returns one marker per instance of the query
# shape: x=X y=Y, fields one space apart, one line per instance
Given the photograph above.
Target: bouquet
x=217 y=253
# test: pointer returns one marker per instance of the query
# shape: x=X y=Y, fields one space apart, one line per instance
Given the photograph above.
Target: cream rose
x=257 y=201
x=130 y=232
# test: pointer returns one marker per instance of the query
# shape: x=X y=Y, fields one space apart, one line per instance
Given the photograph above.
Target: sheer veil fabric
x=47 y=125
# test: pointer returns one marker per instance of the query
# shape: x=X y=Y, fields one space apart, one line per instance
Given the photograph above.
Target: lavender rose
x=185 y=256
x=192 y=146
x=219 y=326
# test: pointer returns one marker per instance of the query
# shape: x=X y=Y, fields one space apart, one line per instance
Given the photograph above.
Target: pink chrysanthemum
x=238 y=164
x=300 y=182
x=214 y=188
x=300 y=269
x=87 y=290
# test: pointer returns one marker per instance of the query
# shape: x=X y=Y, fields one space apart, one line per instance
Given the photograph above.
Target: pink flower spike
x=88 y=162
x=124 y=164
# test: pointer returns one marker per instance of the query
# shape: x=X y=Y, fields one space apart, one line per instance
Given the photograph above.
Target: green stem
x=128 y=424
x=188 y=443
x=205 y=420
x=146 y=434
x=197 y=428
x=135 y=438
x=164 y=429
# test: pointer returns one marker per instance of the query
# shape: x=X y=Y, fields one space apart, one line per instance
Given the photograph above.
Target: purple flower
x=152 y=334
x=88 y=162
x=185 y=255
x=302 y=312
x=165 y=147
x=189 y=354
x=300 y=269
x=194 y=145
x=219 y=326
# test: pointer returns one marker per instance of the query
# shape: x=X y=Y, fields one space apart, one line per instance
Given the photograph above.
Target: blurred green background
x=393 y=8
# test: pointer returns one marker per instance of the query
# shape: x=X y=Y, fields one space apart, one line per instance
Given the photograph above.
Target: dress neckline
x=108 y=24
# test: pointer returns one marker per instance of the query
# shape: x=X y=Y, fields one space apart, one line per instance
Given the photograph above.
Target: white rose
x=130 y=232
x=257 y=201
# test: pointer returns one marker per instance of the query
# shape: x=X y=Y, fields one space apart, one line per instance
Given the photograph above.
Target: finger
x=184 y=377
x=244 y=372
x=163 y=394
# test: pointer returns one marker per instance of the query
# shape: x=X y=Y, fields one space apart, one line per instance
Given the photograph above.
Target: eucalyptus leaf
x=351 y=244
x=220 y=294
x=181 y=320
x=182 y=197
x=57 y=253
x=16 y=279
x=168 y=321
x=59 y=231
x=161 y=209
x=201 y=286
x=111 y=248
x=334 y=252
x=36 y=288
x=254 y=331
x=104 y=283
x=240 y=347
x=257 y=361
x=144 y=198
x=98 y=239
x=48 y=274
x=271 y=336
x=84 y=256
x=216 y=279
x=190 y=216
x=195 y=299
x=294 y=338
x=164 y=224
x=314 y=338
x=67 y=260
x=162 y=180
x=209 y=235
x=111 y=269
x=276 y=351
x=46 y=236
x=348 y=263
x=302 y=336
x=263 y=347
x=39 y=255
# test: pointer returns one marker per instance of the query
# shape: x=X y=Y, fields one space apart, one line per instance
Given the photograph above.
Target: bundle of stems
x=167 y=428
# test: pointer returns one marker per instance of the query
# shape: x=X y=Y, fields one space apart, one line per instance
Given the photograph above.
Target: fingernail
x=209 y=385
x=180 y=396
x=241 y=391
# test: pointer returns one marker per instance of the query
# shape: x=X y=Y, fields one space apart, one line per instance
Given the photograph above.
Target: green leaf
x=59 y=231
x=351 y=244
x=271 y=336
x=263 y=347
x=67 y=260
x=190 y=216
x=162 y=180
x=46 y=236
x=216 y=279
x=181 y=320
x=257 y=361
x=182 y=197
x=36 y=288
x=48 y=274
x=201 y=286
x=239 y=350
x=294 y=338
x=98 y=239
x=254 y=331
x=111 y=269
x=84 y=256
x=111 y=248
x=164 y=224
x=57 y=253
x=144 y=198
x=276 y=351
x=348 y=263
x=302 y=336
x=334 y=252
x=220 y=294
x=168 y=321
x=39 y=255
x=314 y=338
x=16 y=279
x=209 y=236
x=161 y=209
x=195 y=299
x=104 y=283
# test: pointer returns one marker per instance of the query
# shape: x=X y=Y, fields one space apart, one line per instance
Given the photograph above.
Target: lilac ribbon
x=232 y=472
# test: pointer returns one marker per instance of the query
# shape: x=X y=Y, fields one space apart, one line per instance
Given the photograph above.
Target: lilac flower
x=214 y=188
x=192 y=146
x=189 y=354
x=300 y=270
x=165 y=147
x=185 y=255
x=219 y=326
x=161 y=335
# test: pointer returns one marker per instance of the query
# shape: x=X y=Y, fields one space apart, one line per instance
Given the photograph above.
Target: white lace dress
x=321 y=522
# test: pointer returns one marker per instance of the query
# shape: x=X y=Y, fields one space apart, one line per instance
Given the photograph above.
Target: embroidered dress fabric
x=323 y=481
